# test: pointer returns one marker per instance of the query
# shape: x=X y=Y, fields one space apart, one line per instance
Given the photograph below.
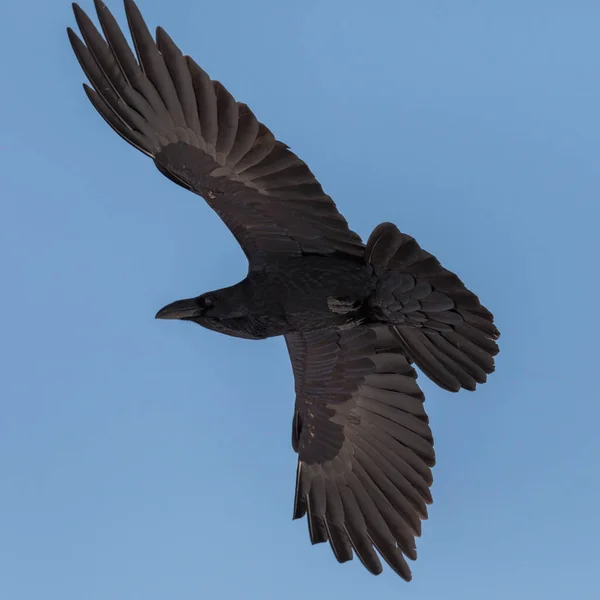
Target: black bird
x=354 y=317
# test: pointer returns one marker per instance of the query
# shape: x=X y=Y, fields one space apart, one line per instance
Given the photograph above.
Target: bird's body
x=354 y=316
x=293 y=295
x=305 y=288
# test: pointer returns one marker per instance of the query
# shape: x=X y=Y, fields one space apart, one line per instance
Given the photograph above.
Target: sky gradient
x=148 y=460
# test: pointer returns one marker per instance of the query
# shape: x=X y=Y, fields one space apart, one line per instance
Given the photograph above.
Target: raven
x=355 y=317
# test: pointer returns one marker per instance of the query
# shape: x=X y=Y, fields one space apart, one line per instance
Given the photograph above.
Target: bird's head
x=224 y=311
x=191 y=309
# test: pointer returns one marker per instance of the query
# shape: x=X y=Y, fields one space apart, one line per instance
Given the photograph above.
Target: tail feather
x=383 y=244
x=442 y=324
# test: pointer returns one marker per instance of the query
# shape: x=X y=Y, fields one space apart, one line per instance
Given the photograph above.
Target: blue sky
x=151 y=460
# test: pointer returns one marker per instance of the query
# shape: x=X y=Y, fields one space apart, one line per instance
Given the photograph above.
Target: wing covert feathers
x=164 y=104
x=364 y=444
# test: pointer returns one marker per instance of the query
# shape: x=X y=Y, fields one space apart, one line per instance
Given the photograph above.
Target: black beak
x=182 y=309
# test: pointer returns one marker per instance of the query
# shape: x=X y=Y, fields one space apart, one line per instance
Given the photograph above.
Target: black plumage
x=355 y=318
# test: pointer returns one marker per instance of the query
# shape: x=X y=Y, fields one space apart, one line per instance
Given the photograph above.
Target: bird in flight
x=355 y=317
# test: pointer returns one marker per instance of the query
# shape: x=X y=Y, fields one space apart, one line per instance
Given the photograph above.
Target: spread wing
x=364 y=444
x=166 y=106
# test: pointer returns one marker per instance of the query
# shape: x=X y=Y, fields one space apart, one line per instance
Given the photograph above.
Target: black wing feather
x=364 y=444
x=164 y=104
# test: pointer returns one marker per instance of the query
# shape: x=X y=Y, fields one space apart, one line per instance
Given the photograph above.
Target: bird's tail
x=443 y=326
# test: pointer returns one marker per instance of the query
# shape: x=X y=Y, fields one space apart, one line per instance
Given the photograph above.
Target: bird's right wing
x=364 y=444
x=165 y=105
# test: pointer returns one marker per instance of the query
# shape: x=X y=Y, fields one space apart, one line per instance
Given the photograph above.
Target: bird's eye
x=205 y=302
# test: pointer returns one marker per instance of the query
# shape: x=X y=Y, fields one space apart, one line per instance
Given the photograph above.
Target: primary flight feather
x=354 y=317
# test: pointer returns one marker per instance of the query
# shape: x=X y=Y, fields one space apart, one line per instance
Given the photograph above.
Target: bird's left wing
x=364 y=444
x=166 y=106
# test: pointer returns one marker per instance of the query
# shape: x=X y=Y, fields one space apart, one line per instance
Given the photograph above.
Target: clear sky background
x=143 y=459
